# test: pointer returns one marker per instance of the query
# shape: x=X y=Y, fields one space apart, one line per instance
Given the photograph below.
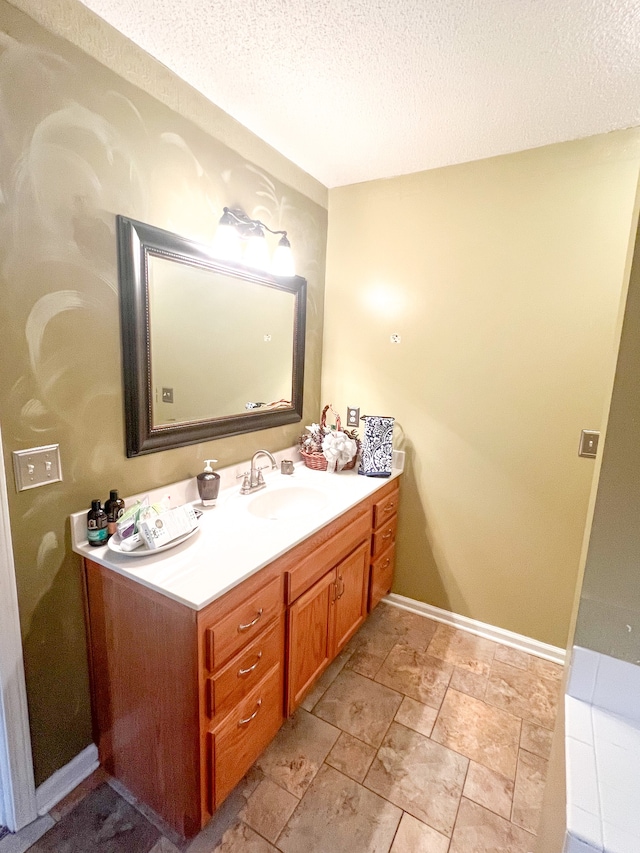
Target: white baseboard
x=63 y=781
x=481 y=629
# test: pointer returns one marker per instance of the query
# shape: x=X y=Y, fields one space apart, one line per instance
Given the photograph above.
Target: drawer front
x=246 y=621
x=385 y=508
x=381 y=576
x=384 y=537
x=236 y=744
x=245 y=670
x=313 y=567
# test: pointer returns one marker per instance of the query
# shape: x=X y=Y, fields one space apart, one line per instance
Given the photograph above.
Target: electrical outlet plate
x=37 y=466
x=589 y=439
x=353 y=416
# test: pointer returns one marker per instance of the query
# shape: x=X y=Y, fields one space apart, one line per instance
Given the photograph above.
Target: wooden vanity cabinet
x=184 y=701
x=383 y=542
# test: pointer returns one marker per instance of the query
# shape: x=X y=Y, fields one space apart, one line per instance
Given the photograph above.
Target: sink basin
x=284 y=504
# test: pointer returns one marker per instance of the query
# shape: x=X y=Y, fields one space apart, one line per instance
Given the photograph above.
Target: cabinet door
x=310 y=621
x=381 y=576
x=351 y=596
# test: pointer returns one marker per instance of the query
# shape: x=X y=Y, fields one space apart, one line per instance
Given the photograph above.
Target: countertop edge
x=141 y=569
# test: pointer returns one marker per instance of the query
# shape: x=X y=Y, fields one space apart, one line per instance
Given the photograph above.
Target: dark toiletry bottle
x=114 y=508
x=208 y=484
x=97 y=533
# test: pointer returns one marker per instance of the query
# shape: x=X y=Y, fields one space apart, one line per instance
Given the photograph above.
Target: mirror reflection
x=219 y=346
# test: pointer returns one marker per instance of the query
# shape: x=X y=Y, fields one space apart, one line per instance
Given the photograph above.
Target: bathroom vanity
x=197 y=654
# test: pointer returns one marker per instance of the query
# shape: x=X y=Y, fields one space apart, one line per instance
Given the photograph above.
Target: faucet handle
x=246 y=480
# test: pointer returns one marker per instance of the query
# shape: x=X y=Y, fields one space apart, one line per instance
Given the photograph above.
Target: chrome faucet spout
x=253 y=479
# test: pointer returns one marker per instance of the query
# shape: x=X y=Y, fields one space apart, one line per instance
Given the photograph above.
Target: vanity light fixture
x=240 y=239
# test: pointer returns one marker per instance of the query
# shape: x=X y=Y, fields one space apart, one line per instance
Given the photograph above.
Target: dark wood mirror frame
x=136 y=242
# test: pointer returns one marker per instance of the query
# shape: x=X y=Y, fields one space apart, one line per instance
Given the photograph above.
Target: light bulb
x=256 y=253
x=282 y=263
x=226 y=243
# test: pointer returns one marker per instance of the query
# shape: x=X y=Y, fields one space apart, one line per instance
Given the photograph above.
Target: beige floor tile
x=387 y=626
x=483 y=733
x=420 y=776
x=414 y=715
x=546 y=668
x=413 y=836
x=489 y=789
x=326 y=680
x=536 y=739
x=462 y=649
x=225 y=817
x=368 y=640
x=250 y=781
x=523 y=693
x=364 y=663
x=531 y=776
x=479 y=830
x=163 y=845
x=268 y=809
x=351 y=756
x=471 y=683
x=514 y=657
x=416 y=674
x=359 y=706
x=295 y=755
x=242 y=839
x=337 y=814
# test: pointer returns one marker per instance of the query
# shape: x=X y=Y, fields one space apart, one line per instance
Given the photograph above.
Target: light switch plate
x=589 y=439
x=37 y=466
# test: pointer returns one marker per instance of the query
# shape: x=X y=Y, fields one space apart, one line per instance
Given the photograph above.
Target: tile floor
x=419 y=738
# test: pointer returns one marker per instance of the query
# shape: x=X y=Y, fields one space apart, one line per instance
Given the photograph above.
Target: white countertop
x=232 y=543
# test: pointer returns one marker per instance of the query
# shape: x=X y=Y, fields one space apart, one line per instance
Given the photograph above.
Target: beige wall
x=503 y=278
x=79 y=144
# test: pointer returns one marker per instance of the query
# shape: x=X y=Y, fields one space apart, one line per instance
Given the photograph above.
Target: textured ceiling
x=352 y=90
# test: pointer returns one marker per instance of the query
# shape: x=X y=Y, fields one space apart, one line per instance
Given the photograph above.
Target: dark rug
x=101 y=823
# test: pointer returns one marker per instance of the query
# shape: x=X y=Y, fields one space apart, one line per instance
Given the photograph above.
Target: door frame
x=17 y=786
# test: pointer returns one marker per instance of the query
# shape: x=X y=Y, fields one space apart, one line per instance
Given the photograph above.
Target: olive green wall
x=503 y=278
x=608 y=618
x=79 y=144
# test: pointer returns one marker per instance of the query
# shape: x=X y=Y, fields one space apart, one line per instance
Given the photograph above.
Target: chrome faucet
x=253 y=479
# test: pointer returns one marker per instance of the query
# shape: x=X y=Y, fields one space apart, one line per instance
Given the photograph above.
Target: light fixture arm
x=244 y=222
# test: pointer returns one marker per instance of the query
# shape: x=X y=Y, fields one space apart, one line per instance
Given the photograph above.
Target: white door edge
x=17 y=787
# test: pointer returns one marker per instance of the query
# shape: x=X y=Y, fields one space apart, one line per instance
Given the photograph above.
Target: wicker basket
x=317 y=460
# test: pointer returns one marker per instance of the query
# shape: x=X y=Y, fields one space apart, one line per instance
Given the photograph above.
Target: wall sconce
x=242 y=240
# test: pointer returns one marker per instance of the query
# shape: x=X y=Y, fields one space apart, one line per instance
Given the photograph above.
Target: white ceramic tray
x=143 y=551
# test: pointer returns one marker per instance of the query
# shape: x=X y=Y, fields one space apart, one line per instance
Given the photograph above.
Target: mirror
x=209 y=349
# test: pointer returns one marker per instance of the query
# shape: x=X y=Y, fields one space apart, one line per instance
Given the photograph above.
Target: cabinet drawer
x=245 y=622
x=244 y=734
x=384 y=537
x=385 y=508
x=245 y=670
x=381 y=576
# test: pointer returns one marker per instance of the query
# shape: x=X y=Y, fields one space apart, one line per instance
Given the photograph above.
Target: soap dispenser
x=208 y=483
